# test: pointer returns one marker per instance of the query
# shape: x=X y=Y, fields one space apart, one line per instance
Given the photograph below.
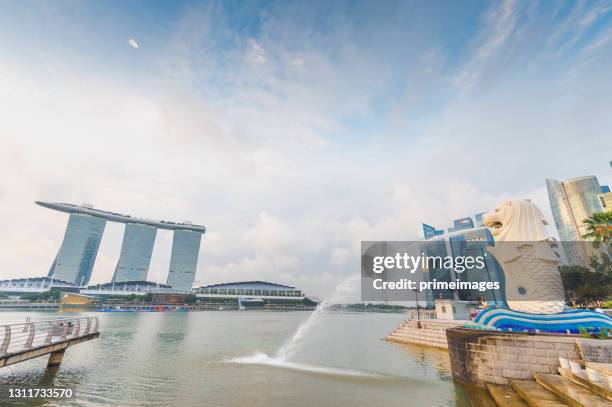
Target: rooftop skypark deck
x=121 y=218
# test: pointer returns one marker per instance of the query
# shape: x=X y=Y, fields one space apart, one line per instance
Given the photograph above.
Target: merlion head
x=516 y=220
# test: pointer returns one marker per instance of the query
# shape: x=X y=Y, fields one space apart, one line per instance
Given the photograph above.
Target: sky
x=292 y=130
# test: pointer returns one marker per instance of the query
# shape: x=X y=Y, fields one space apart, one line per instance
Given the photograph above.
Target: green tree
x=602 y=263
x=584 y=287
x=599 y=229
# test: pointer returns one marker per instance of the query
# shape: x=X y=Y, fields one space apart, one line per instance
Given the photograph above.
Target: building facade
x=464 y=239
x=76 y=257
x=571 y=202
x=136 y=251
x=606 y=201
x=35 y=285
x=184 y=259
x=247 y=293
x=125 y=288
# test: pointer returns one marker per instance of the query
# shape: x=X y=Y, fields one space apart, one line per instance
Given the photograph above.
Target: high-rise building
x=572 y=201
x=136 y=250
x=430 y=231
x=479 y=219
x=462 y=224
x=76 y=257
x=184 y=259
x=464 y=239
x=606 y=201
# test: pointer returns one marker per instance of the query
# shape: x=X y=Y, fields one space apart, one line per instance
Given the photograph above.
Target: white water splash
x=291 y=347
x=263 y=359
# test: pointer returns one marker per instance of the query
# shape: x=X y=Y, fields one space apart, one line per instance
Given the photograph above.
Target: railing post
x=49 y=333
x=97 y=326
x=7 y=339
x=88 y=326
x=77 y=327
x=32 y=331
x=65 y=333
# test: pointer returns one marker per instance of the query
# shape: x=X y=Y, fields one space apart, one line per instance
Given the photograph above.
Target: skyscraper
x=184 y=259
x=606 y=201
x=136 y=250
x=462 y=224
x=76 y=257
x=572 y=201
x=464 y=239
x=430 y=231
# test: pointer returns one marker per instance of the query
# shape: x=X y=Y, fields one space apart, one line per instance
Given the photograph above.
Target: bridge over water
x=49 y=336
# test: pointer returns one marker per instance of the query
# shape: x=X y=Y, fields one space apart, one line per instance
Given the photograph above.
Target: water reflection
x=426 y=357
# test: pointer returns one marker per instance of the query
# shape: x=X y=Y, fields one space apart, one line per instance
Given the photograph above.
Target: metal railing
x=37 y=333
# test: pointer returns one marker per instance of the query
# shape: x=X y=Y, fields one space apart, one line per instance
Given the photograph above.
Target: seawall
x=481 y=357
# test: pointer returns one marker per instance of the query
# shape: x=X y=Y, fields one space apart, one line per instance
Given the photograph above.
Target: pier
x=34 y=338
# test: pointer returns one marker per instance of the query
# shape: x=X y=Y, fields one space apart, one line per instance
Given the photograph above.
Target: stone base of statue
x=533 y=332
x=567 y=322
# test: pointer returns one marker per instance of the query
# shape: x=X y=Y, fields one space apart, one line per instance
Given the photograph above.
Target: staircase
x=573 y=386
x=428 y=332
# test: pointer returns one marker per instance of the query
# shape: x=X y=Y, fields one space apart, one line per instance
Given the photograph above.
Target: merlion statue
x=534 y=292
x=523 y=250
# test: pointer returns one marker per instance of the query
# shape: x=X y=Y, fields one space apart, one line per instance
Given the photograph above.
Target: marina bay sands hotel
x=76 y=257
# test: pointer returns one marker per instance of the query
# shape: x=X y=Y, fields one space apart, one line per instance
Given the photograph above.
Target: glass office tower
x=571 y=202
x=479 y=219
x=76 y=257
x=464 y=239
x=136 y=250
x=430 y=231
x=462 y=224
x=184 y=259
x=473 y=243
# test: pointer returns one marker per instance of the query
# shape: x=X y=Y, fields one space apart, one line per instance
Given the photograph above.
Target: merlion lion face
x=497 y=220
x=516 y=220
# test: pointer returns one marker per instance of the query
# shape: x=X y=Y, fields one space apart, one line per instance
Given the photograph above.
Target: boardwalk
x=34 y=338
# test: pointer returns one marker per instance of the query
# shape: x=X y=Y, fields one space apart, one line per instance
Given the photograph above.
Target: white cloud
x=297 y=62
x=499 y=25
x=256 y=54
x=133 y=43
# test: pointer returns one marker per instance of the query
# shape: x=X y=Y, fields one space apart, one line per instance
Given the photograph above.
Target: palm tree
x=599 y=228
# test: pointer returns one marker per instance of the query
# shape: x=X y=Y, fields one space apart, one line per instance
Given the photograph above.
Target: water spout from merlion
x=285 y=355
x=293 y=345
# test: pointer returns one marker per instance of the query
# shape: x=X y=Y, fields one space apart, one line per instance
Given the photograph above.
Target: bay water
x=242 y=358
